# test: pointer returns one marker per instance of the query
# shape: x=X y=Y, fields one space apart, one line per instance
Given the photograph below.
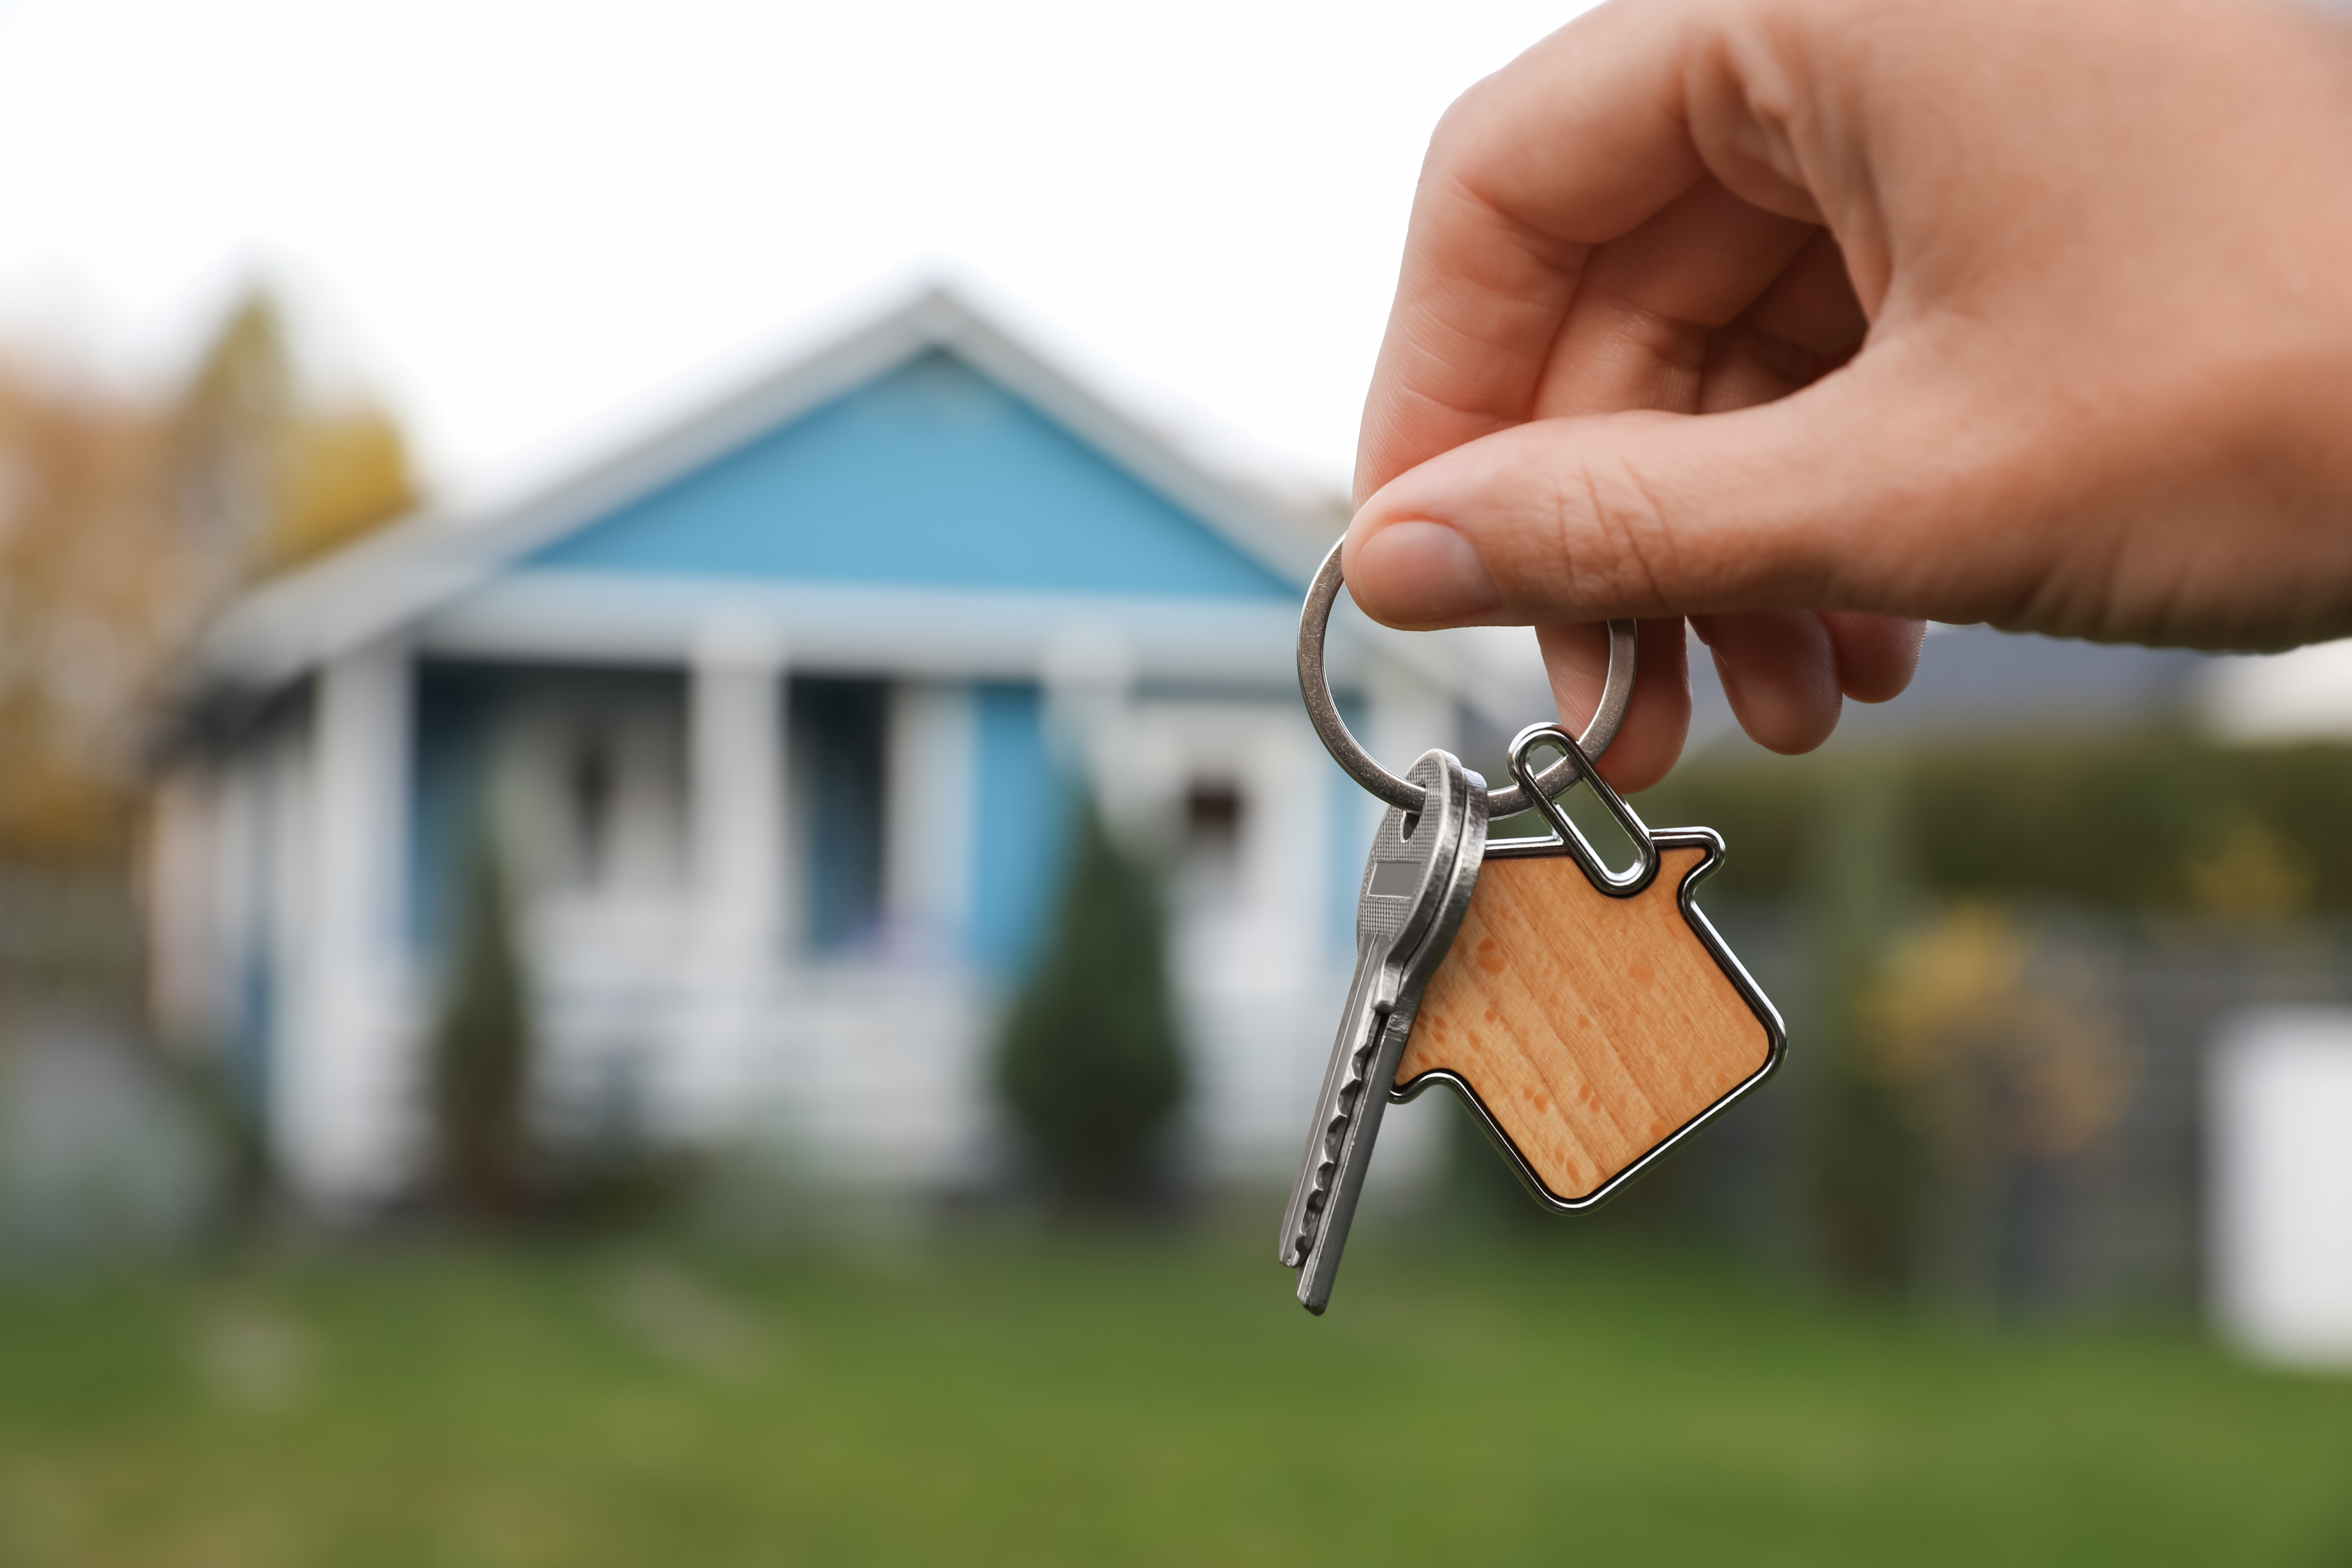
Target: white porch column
x=914 y=1107
x=929 y=768
x=344 y=1076
x=1409 y=716
x=743 y=919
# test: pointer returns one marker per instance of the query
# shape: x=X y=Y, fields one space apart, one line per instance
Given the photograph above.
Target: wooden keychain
x=1590 y=1018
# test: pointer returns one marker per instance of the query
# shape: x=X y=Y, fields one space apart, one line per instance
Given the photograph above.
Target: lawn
x=1117 y=1403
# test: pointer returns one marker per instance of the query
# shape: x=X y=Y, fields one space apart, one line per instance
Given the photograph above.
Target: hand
x=1807 y=318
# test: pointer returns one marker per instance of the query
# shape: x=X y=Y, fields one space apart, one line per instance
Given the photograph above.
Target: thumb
x=1848 y=495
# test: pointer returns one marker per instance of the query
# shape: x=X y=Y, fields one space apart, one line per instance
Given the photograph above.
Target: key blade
x=1316 y=1161
x=1378 y=1070
x=1410 y=860
x=1391 y=917
x=1455 y=842
x=1452 y=840
x=1321 y=1267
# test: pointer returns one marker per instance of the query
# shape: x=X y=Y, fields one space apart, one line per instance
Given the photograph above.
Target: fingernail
x=1418 y=573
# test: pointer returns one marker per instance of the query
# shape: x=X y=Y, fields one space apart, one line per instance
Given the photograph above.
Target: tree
x=481 y=1055
x=1090 y=1062
x=87 y=608
x=270 y=471
x=126 y=522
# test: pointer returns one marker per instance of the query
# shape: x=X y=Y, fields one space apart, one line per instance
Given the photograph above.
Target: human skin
x=1813 y=320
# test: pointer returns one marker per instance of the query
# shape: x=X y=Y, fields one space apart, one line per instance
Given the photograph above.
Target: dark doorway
x=838 y=730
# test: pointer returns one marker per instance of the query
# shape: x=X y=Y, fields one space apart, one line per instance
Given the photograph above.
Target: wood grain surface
x=1592 y=1029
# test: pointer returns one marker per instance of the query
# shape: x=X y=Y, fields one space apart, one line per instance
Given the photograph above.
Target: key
x=1417 y=883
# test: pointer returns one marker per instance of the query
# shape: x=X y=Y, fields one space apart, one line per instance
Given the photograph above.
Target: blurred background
x=661 y=888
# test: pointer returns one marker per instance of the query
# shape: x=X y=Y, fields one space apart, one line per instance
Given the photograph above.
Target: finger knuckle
x=1611 y=541
x=1458 y=129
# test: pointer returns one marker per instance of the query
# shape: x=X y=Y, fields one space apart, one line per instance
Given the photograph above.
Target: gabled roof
x=394 y=579
x=931 y=475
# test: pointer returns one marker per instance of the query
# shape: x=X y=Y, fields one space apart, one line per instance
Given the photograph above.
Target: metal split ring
x=1315 y=685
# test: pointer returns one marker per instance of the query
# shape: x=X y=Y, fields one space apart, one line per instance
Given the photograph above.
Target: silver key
x=1416 y=886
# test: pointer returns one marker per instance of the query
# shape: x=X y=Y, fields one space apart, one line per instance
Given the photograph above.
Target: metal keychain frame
x=1776 y=1033
x=1323 y=710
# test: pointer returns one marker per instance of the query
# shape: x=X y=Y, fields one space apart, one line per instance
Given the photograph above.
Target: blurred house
x=779 y=720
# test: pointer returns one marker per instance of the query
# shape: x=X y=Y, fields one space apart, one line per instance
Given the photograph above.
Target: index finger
x=1578 y=142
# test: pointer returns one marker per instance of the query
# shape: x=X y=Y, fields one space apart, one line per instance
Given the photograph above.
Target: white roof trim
x=594 y=618
x=385 y=581
x=389 y=583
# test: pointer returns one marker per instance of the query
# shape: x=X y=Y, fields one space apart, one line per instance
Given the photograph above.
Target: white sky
x=536 y=226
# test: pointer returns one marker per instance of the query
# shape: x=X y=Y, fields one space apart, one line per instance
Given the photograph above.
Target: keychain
x=1590 y=1018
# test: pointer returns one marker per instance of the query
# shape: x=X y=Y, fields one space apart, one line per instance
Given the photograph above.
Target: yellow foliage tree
x=1998 y=1067
x=342 y=473
x=270 y=477
x=125 y=525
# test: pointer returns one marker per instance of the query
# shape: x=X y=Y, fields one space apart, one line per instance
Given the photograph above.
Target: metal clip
x=1565 y=835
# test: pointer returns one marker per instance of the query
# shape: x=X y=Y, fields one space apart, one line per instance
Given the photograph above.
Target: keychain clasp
x=1565 y=835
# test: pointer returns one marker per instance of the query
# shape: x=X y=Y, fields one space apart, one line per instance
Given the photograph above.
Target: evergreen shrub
x=1089 y=1060
x=480 y=1055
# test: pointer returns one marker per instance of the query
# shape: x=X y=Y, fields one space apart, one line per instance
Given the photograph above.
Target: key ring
x=1315 y=685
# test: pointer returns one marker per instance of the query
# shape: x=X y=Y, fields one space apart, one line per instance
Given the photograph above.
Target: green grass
x=1115 y=1403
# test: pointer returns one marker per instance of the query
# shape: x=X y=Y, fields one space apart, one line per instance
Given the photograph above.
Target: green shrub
x=1089 y=1060
x=2159 y=821
x=481 y=1057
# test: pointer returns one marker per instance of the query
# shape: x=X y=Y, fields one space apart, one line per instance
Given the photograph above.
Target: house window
x=1214 y=813
x=838 y=746
x=1212 y=822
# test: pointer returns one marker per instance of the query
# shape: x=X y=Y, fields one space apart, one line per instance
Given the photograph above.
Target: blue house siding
x=931 y=474
x=1023 y=828
x=454 y=709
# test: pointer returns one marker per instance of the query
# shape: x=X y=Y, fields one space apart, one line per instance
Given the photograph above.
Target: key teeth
x=1318 y=1198
x=1310 y=1218
x=1334 y=1140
